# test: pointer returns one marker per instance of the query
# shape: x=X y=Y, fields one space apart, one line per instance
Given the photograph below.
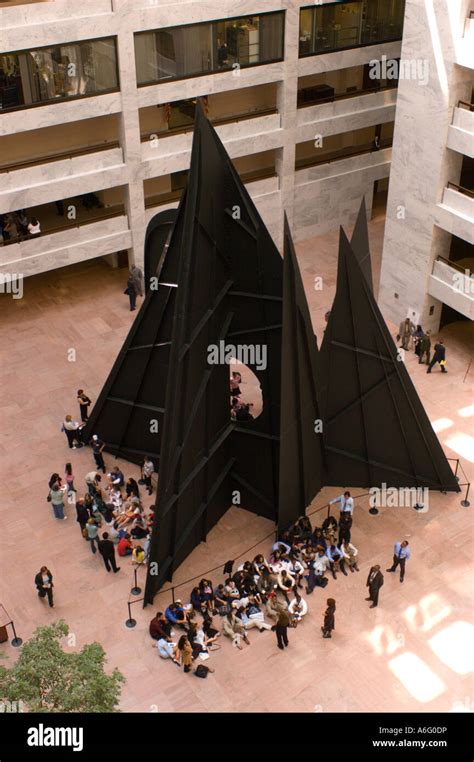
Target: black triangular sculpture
x=128 y=414
x=360 y=244
x=376 y=430
x=230 y=292
x=301 y=451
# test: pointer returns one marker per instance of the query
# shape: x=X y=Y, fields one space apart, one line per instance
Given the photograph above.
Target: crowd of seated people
x=257 y=591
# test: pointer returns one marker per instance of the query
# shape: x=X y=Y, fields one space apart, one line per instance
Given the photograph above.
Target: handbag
x=49 y=498
x=201 y=670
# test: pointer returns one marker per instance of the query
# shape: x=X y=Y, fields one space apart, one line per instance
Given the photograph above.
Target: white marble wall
x=335 y=188
x=421 y=162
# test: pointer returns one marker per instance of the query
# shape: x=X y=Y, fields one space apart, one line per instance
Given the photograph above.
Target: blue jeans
x=93 y=542
x=58 y=511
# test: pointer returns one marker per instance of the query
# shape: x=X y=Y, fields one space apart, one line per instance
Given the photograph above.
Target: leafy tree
x=48 y=679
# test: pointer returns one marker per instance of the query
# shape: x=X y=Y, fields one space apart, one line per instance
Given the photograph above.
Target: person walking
x=401 y=554
x=439 y=356
x=131 y=292
x=417 y=338
x=107 y=551
x=328 y=624
x=137 y=277
x=374 y=583
x=405 y=332
x=425 y=348
x=56 y=495
x=281 y=628
x=97 y=449
x=84 y=403
x=91 y=533
x=44 y=584
x=69 y=479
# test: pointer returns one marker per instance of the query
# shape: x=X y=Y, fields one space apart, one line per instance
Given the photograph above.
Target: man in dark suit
x=374 y=583
x=107 y=551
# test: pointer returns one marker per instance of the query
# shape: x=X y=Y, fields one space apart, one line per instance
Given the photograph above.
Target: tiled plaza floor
x=413 y=653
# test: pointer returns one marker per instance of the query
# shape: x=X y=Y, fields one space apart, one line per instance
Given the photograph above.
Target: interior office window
x=186 y=51
x=348 y=25
x=54 y=73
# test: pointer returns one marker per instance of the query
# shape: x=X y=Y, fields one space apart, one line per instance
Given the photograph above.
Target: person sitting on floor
x=235 y=630
x=160 y=627
x=298 y=608
x=176 y=616
x=167 y=650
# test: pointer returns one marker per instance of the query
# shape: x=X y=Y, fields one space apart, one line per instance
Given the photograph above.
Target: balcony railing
x=47 y=229
x=342 y=153
x=302 y=103
x=59 y=156
x=217 y=122
x=452 y=264
x=466 y=105
x=461 y=189
x=172 y=196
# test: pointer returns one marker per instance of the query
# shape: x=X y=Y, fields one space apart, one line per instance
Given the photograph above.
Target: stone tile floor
x=412 y=653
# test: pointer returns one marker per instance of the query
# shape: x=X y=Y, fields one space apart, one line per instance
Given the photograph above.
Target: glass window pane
x=184 y=51
x=349 y=25
x=58 y=72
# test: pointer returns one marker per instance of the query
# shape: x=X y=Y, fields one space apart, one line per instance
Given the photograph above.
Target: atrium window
x=349 y=25
x=58 y=72
x=196 y=49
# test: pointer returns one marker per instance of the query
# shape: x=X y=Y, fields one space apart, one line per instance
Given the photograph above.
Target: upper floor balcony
x=453 y=284
x=455 y=213
x=461 y=131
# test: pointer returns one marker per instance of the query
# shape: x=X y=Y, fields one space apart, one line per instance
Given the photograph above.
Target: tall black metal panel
x=375 y=428
x=301 y=451
x=230 y=292
x=133 y=397
x=360 y=244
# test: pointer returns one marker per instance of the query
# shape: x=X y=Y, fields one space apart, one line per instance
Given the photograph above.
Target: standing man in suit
x=405 y=332
x=401 y=554
x=374 y=583
x=107 y=551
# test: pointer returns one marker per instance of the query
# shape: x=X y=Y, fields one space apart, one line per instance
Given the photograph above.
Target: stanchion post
x=465 y=503
x=135 y=590
x=130 y=622
x=16 y=641
x=172 y=593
